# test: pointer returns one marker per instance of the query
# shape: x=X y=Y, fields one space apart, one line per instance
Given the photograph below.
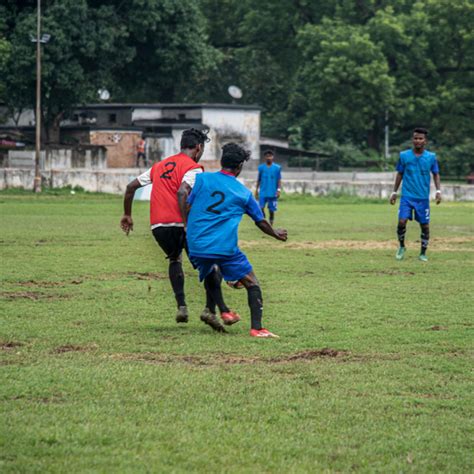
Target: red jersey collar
x=228 y=173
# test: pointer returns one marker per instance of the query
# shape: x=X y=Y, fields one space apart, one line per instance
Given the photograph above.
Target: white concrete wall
x=115 y=181
x=146 y=114
x=241 y=126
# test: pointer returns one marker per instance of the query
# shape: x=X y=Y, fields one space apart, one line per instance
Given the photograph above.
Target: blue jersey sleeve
x=253 y=209
x=435 y=166
x=279 y=175
x=400 y=165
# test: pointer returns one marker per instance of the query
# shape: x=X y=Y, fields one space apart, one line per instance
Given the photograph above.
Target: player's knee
x=402 y=223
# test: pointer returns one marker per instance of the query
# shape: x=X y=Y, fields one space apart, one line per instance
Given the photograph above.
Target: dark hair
x=193 y=137
x=233 y=155
x=421 y=130
x=268 y=152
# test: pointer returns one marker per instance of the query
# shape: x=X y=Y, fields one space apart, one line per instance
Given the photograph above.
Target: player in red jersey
x=166 y=222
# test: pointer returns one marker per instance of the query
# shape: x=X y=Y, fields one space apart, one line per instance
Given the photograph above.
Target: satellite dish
x=235 y=92
x=104 y=94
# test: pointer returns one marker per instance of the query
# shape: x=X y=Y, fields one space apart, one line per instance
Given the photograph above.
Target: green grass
x=97 y=377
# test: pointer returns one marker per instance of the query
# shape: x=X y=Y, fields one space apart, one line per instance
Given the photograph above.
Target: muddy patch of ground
x=72 y=348
x=30 y=295
x=10 y=345
x=147 y=276
x=436 y=244
x=227 y=359
x=438 y=328
x=384 y=272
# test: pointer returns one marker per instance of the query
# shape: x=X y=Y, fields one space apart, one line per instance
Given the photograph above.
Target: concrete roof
x=168 y=106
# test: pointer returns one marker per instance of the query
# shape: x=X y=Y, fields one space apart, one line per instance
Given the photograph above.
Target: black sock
x=255 y=299
x=176 y=275
x=212 y=283
x=272 y=217
x=425 y=238
x=401 y=231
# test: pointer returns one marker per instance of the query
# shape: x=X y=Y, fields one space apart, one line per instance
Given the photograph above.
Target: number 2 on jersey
x=212 y=207
x=170 y=166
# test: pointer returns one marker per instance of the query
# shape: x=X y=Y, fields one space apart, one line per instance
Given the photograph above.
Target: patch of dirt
x=46 y=284
x=147 y=276
x=438 y=328
x=9 y=345
x=310 y=355
x=436 y=244
x=29 y=295
x=384 y=272
x=226 y=359
x=72 y=348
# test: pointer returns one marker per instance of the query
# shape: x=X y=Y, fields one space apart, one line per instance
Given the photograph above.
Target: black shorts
x=172 y=240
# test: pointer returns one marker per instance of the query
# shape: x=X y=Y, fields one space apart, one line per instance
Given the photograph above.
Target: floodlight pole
x=387 y=146
x=37 y=180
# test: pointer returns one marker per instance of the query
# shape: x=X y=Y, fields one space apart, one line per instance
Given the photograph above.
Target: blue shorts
x=421 y=207
x=271 y=201
x=233 y=268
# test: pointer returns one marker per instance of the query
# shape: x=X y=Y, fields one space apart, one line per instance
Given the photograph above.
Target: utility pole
x=37 y=180
x=387 y=150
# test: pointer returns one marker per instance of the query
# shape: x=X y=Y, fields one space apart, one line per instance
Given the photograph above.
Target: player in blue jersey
x=268 y=184
x=216 y=205
x=414 y=168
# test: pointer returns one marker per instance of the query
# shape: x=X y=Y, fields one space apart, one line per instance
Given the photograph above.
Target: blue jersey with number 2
x=218 y=202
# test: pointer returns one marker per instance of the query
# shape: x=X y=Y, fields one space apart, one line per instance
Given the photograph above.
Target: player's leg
x=405 y=213
x=212 y=284
x=255 y=302
x=172 y=242
x=208 y=272
x=422 y=215
x=425 y=238
x=272 y=208
x=261 y=202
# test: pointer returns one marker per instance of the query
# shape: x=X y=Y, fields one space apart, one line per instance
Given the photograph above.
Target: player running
x=414 y=167
x=268 y=184
x=166 y=222
x=217 y=203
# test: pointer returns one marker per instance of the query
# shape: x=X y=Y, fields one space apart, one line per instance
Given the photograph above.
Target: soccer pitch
x=372 y=372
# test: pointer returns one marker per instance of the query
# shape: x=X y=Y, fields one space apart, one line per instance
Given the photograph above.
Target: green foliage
x=99 y=378
x=153 y=46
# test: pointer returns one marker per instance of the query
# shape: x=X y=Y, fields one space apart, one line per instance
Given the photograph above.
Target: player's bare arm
x=279 y=234
x=126 y=223
x=437 y=182
x=258 y=187
x=183 y=193
x=278 y=189
x=398 y=180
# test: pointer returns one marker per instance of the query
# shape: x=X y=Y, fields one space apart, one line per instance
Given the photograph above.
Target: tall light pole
x=38 y=40
x=37 y=181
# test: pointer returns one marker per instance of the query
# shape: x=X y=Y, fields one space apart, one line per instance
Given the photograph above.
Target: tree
x=344 y=79
x=140 y=50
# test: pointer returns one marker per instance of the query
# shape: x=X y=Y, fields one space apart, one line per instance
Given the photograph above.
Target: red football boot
x=230 y=317
x=262 y=333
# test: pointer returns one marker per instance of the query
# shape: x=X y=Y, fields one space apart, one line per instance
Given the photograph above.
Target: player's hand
x=438 y=197
x=281 y=234
x=278 y=194
x=256 y=194
x=393 y=198
x=126 y=223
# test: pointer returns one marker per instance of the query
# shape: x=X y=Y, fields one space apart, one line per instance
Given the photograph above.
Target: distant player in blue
x=414 y=168
x=268 y=184
x=217 y=204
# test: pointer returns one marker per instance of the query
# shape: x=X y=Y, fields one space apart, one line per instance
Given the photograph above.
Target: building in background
x=118 y=127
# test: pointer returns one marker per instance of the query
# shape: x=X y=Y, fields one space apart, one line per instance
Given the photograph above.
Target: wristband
x=438 y=191
x=279 y=189
x=394 y=193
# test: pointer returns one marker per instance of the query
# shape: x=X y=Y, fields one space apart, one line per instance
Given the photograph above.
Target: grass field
x=373 y=371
